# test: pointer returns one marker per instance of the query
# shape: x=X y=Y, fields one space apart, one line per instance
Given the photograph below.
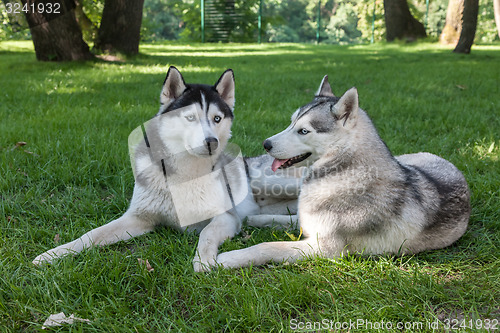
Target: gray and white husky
x=187 y=176
x=356 y=196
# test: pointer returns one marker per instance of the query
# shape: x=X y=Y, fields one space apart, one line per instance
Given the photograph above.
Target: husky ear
x=347 y=106
x=225 y=87
x=324 y=88
x=173 y=86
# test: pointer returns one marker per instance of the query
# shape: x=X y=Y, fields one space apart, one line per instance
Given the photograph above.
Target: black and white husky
x=356 y=196
x=187 y=176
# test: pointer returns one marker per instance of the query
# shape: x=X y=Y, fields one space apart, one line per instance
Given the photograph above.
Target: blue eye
x=190 y=118
x=302 y=131
x=217 y=119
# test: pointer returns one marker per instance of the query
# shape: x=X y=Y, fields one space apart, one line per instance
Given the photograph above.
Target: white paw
x=51 y=255
x=200 y=265
x=44 y=258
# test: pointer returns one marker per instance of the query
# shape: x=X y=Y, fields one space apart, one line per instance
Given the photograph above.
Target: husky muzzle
x=212 y=144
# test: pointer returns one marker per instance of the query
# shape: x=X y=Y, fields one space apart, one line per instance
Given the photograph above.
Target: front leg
x=285 y=251
x=262 y=253
x=221 y=227
x=123 y=228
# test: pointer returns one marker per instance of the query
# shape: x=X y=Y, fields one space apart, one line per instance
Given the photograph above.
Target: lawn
x=73 y=174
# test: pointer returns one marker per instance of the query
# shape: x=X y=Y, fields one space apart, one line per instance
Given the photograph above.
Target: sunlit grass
x=17 y=46
x=73 y=174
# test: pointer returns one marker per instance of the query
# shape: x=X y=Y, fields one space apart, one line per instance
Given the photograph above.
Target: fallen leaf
x=57 y=238
x=60 y=318
x=29 y=152
x=18 y=144
x=146 y=262
x=293 y=237
x=461 y=87
x=492 y=146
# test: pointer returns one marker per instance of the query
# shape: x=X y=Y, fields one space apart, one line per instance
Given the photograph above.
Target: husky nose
x=267 y=145
x=212 y=144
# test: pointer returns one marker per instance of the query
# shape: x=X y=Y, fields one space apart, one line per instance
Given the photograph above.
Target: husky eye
x=302 y=131
x=190 y=117
x=217 y=119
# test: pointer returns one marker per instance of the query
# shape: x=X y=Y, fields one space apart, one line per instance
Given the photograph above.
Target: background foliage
x=296 y=20
x=342 y=22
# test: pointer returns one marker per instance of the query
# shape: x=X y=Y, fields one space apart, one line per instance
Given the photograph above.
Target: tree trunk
x=453 y=25
x=120 y=29
x=496 y=9
x=469 y=25
x=88 y=28
x=400 y=23
x=57 y=36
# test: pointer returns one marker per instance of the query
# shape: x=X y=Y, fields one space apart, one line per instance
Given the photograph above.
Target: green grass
x=74 y=174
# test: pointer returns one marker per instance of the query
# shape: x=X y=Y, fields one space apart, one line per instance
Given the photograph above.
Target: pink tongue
x=277 y=163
